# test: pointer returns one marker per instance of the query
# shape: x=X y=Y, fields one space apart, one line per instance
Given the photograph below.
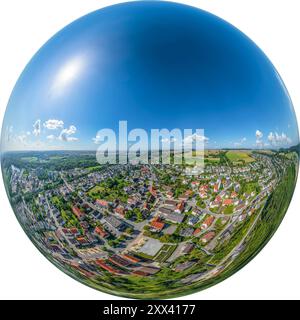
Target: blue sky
x=156 y=65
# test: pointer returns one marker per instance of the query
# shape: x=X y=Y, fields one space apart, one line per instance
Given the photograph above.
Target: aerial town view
x=149 y=150
x=148 y=231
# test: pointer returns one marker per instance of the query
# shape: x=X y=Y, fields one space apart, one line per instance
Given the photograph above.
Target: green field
x=109 y=190
x=29 y=159
x=94 y=168
x=97 y=190
x=212 y=159
x=239 y=156
x=165 y=252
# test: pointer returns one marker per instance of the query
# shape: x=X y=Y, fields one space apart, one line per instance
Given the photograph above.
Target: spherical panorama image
x=149 y=150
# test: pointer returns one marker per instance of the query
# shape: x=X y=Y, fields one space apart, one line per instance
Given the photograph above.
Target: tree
x=228 y=209
x=166 y=238
x=128 y=214
x=129 y=230
x=147 y=227
x=139 y=216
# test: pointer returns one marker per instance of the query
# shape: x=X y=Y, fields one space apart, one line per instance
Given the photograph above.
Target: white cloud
x=37 y=128
x=195 y=138
x=97 y=139
x=8 y=135
x=276 y=139
x=167 y=140
x=53 y=124
x=22 y=138
x=271 y=138
x=259 y=143
x=240 y=143
x=66 y=134
x=259 y=135
x=51 y=137
x=72 y=139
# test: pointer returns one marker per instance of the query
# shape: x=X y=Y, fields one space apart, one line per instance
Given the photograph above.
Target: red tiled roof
x=120 y=211
x=209 y=236
x=119 y=261
x=208 y=221
x=78 y=213
x=157 y=225
x=74 y=230
x=180 y=206
x=131 y=258
x=102 y=203
x=107 y=267
x=198 y=230
x=153 y=191
x=139 y=273
x=188 y=192
x=101 y=232
x=227 y=202
x=88 y=274
x=82 y=240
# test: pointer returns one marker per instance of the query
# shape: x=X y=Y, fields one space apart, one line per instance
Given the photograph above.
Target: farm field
x=239 y=156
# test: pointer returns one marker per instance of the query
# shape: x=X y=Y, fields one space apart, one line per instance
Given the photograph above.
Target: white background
x=25 y=25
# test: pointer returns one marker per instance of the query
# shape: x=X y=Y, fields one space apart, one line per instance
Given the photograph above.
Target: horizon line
x=90 y=150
